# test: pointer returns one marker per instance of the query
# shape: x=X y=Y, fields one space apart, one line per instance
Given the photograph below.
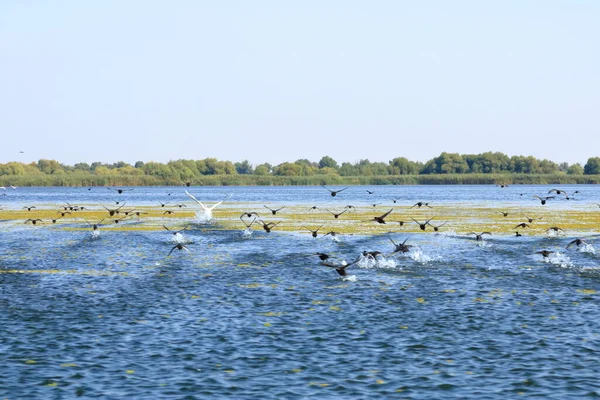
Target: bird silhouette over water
x=249 y=214
x=557 y=191
x=314 y=233
x=179 y=246
x=577 y=242
x=401 y=247
x=273 y=211
x=544 y=253
x=381 y=219
x=28 y=208
x=176 y=232
x=336 y=215
x=504 y=213
x=334 y=192
x=268 y=226
x=322 y=256
x=371 y=254
x=421 y=204
x=479 y=236
x=370 y=192
x=555 y=229
x=423 y=225
x=333 y=234
x=544 y=199
x=113 y=211
x=522 y=225
x=339 y=267
x=119 y=190
x=34 y=221
x=436 y=228
x=530 y=219
x=96 y=225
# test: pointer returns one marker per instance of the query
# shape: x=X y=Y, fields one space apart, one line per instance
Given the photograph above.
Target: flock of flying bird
x=250 y=218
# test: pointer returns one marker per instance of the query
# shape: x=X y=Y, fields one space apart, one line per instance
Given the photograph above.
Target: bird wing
x=387 y=213
x=196 y=200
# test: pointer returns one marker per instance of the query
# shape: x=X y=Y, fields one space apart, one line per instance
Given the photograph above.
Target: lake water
x=115 y=317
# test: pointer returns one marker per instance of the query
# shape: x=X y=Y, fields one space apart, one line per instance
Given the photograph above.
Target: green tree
x=50 y=167
x=592 y=166
x=328 y=162
x=403 y=166
x=575 y=169
x=263 y=169
x=244 y=168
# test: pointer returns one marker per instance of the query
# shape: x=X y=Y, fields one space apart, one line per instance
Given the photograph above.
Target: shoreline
x=82 y=180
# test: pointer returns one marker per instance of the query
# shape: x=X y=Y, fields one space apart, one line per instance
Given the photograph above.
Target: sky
x=275 y=81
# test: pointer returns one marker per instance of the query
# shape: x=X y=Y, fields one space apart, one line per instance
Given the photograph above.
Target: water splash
x=560 y=260
x=204 y=217
x=95 y=234
x=416 y=254
x=349 y=278
x=246 y=233
x=587 y=248
x=377 y=262
x=179 y=238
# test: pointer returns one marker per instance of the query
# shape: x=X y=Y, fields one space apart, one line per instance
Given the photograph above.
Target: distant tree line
x=188 y=170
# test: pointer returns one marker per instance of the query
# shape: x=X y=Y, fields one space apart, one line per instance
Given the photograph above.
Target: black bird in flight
x=314 y=233
x=273 y=211
x=119 y=190
x=179 y=246
x=334 y=192
x=544 y=253
x=112 y=212
x=437 y=228
x=479 y=236
x=421 y=204
x=336 y=215
x=268 y=226
x=529 y=219
x=249 y=214
x=340 y=268
x=381 y=218
x=544 y=199
x=96 y=225
x=423 y=225
x=401 y=247
x=177 y=231
x=577 y=242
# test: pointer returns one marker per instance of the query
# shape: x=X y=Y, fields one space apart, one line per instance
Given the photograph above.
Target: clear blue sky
x=274 y=81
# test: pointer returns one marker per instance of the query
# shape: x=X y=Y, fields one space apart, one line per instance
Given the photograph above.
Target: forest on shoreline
x=447 y=168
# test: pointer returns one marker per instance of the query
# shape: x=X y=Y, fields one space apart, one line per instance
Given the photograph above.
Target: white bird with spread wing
x=207 y=210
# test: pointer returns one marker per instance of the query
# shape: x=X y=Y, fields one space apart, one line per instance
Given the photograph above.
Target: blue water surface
x=115 y=317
